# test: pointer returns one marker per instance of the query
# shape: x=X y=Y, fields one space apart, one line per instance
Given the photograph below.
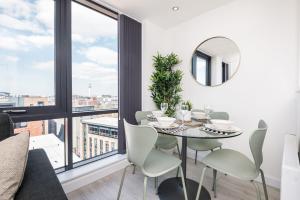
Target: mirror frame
x=237 y=69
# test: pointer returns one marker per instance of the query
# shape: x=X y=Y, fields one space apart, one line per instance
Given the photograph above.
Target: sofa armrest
x=40 y=181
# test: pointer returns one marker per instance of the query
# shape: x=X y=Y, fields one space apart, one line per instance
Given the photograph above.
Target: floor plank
x=228 y=188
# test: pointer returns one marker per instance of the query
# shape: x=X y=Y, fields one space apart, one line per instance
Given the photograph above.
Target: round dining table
x=171 y=188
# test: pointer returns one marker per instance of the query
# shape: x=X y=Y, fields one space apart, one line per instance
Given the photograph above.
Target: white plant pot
x=187 y=117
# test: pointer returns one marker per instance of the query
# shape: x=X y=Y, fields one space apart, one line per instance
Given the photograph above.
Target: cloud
x=17 y=8
x=24 y=43
x=80 y=39
x=92 y=24
x=38 y=40
x=35 y=17
x=45 y=13
x=100 y=55
x=94 y=72
x=47 y=65
x=10 y=43
x=23 y=25
x=11 y=59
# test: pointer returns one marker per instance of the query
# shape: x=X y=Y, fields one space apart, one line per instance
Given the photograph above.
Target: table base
x=171 y=189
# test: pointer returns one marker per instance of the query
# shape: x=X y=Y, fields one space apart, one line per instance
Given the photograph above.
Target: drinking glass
x=164 y=107
x=207 y=109
x=183 y=109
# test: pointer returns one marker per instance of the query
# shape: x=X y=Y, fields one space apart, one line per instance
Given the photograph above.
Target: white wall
x=153 y=42
x=266 y=83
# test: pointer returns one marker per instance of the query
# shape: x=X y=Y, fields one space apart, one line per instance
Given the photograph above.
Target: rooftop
x=54 y=148
x=103 y=121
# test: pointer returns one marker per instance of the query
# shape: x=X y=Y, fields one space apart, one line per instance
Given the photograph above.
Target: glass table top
x=195 y=132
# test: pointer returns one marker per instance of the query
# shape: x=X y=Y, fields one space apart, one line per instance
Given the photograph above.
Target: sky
x=27 y=49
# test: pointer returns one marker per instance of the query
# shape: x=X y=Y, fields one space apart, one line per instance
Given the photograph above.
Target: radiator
x=290 y=169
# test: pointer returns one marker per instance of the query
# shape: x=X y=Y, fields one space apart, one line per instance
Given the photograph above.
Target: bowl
x=165 y=121
x=199 y=115
x=222 y=124
x=157 y=113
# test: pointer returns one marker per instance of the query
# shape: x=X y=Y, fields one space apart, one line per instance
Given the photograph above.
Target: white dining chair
x=238 y=165
x=140 y=141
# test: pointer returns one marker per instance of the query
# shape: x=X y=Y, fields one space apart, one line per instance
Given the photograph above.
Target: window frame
x=58 y=85
x=207 y=58
x=63 y=81
x=225 y=72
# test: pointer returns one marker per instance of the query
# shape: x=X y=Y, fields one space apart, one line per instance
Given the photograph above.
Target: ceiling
x=160 y=11
x=219 y=47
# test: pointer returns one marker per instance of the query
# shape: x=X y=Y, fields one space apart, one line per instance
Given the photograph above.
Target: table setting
x=188 y=124
x=198 y=120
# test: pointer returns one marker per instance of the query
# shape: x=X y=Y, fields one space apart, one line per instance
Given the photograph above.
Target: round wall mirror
x=215 y=61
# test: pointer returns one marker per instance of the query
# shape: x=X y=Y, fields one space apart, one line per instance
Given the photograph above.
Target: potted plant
x=166 y=82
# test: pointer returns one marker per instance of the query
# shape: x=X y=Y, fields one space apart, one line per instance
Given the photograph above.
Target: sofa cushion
x=40 y=181
x=13 y=158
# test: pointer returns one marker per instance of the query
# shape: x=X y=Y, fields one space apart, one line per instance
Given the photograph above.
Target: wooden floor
x=228 y=188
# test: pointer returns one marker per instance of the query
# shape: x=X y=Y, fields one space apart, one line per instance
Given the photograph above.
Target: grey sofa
x=40 y=181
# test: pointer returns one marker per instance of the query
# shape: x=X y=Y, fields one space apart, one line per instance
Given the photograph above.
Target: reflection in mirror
x=215 y=61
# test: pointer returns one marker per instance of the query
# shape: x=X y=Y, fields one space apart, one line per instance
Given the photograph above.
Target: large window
x=59 y=77
x=94 y=60
x=94 y=81
x=27 y=53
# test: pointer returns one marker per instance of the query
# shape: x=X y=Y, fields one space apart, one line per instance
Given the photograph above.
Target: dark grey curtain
x=130 y=68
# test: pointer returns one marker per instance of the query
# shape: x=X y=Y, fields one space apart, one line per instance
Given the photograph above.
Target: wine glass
x=207 y=110
x=164 y=107
x=183 y=109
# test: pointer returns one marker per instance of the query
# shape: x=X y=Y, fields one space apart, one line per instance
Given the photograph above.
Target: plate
x=231 y=129
x=157 y=125
x=200 y=118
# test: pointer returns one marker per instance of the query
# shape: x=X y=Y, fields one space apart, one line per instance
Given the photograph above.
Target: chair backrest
x=256 y=143
x=219 y=115
x=6 y=126
x=140 y=115
x=140 y=140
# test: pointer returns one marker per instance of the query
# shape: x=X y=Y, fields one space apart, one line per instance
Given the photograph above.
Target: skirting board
x=271 y=181
x=74 y=183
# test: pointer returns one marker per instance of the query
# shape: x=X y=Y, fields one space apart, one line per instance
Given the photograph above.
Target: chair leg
x=200 y=183
x=257 y=190
x=133 y=171
x=183 y=184
x=264 y=184
x=178 y=150
x=179 y=154
x=177 y=173
x=196 y=155
x=122 y=181
x=145 y=187
x=214 y=186
x=155 y=182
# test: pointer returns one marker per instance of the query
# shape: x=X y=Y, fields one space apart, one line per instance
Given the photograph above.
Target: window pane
x=95 y=135
x=48 y=135
x=26 y=53
x=201 y=70
x=95 y=60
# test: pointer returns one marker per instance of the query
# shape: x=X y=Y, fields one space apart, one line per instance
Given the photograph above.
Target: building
x=34 y=128
x=96 y=136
